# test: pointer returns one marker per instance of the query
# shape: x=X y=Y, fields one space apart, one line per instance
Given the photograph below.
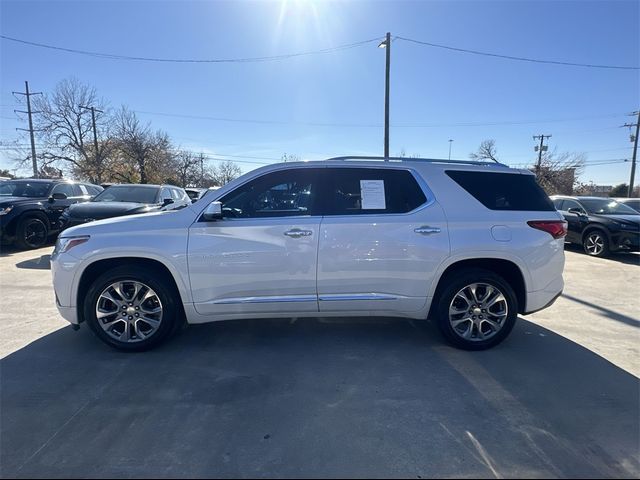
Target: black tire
x=155 y=279
x=457 y=281
x=32 y=231
x=596 y=244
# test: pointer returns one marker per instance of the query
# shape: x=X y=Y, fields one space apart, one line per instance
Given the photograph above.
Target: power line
x=375 y=125
x=521 y=59
x=194 y=60
x=313 y=52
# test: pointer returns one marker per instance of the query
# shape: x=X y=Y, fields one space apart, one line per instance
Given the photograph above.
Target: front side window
x=24 y=189
x=278 y=194
x=567 y=204
x=358 y=191
x=68 y=189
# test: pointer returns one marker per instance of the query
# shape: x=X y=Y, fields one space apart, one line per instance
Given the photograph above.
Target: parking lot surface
x=325 y=397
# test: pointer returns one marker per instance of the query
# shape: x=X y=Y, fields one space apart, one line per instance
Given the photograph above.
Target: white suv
x=469 y=244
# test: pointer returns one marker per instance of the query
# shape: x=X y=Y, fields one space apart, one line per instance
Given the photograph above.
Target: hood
x=99 y=210
x=6 y=201
x=632 y=219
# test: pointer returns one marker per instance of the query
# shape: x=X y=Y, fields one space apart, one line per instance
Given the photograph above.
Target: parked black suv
x=30 y=209
x=600 y=225
x=126 y=199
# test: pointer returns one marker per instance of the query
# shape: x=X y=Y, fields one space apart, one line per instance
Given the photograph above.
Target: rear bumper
x=541 y=299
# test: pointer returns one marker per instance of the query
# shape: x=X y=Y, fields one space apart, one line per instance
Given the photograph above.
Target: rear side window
x=357 y=191
x=504 y=191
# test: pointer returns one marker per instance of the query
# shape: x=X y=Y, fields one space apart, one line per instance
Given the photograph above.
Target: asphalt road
x=325 y=398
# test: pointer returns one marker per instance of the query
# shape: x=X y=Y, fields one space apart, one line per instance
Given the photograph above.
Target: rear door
x=575 y=223
x=262 y=256
x=381 y=240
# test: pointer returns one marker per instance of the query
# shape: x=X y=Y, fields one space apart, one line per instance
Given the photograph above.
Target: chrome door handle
x=426 y=230
x=297 y=233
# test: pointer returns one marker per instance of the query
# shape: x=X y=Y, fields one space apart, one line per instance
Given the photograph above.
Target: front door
x=381 y=241
x=261 y=257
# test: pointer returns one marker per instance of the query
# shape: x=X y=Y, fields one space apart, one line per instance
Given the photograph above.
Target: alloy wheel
x=594 y=244
x=35 y=233
x=478 y=312
x=129 y=311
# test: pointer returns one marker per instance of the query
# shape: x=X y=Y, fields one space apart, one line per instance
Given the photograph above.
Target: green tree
x=619 y=190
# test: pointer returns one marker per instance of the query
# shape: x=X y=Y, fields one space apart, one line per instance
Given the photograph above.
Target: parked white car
x=469 y=244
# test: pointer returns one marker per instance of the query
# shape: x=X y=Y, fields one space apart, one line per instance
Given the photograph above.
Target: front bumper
x=63 y=270
x=70 y=314
x=625 y=241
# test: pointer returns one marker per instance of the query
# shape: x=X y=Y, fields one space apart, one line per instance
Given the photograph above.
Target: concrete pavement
x=317 y=398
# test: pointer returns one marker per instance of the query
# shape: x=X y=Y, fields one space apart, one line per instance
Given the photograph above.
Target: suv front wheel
x=131 y=309
x=476 y=309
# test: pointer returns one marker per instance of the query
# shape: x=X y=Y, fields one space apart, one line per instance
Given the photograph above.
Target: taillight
x=555 y=228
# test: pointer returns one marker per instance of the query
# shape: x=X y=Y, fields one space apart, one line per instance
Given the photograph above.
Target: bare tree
x=224 y=172
x=65 y=129
x=142 y=153
x=189 y=168
x=290 y=157
x=486 y=151
x=559 y=172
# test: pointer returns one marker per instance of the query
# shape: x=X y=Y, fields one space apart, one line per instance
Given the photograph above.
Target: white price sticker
x=372 y=195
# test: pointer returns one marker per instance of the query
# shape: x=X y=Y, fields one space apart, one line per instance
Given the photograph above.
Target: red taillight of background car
x=555 y=228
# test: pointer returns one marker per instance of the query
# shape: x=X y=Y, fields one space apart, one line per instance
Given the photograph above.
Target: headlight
x=64 y=244
x=5 y=210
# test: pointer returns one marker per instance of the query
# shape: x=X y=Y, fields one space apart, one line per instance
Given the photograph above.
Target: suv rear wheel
x=476 y=309
x=130 y=309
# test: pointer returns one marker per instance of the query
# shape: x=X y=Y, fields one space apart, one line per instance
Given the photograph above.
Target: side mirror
x=167 y=201
x=57 y=196
x=213 y=212
x=577 y=211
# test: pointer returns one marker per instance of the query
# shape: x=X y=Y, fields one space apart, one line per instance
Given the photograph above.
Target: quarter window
x=358 y=191
x=278 y=194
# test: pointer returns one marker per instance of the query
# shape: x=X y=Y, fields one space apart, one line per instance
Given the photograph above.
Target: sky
x=323 y=105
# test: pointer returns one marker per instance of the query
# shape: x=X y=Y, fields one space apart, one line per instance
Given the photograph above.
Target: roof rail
x=412 y=159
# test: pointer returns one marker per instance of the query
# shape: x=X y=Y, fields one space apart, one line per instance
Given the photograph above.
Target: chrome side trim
x=266 y=299
x=342 y=297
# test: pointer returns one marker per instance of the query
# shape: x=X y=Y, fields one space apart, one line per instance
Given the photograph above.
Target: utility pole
x=450 y=142
x=95 y=133
x=541 y=148
x=635 y=151
x=386 y=44
x=28 y=94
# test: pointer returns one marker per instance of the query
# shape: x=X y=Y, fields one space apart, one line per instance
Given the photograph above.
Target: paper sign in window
x=372 y=195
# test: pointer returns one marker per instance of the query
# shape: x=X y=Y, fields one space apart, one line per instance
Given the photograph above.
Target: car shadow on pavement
x=313 y=397
x=41 y=263
x=607 y=312
x=630 y=258
x=10 y=250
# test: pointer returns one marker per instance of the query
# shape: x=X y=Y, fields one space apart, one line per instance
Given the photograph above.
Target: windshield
x=24 y=189
x=128 y=193
x=606 y=206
